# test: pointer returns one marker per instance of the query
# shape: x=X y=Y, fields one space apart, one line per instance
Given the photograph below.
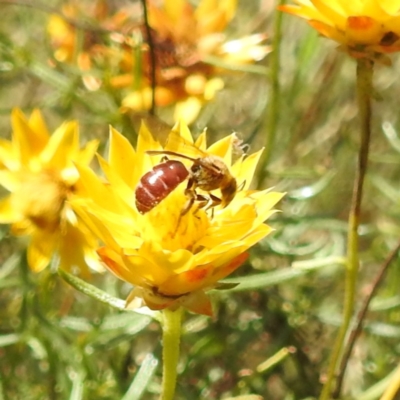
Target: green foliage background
x=57 y=343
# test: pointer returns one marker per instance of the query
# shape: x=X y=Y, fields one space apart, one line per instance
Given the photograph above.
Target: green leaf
x=142 y=378
x=12 y=338
x=276 y=277
x=101 y=296
x=264 y=280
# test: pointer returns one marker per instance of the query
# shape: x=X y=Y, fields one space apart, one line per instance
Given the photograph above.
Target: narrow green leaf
x=276 y=277
x=9 y=265
x=101 y=296
x=12 y=338
x=264 y=280
x=376 y=390
x=142 y=378
x=77 y=386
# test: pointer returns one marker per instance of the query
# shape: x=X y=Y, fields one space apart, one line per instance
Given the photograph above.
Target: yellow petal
x=83 y=243
x=331 y=10
x=63 y=146
x=41 y=249
x=188 y=110
x=28 y=142
x=175 y=8
x=244 y=169
x=201 y=141
x=173 y=262
x=223 y=149
x=122 y=157
x=141 y=269
x=8 y=214
x=37 y=123
x=8 y=156
x=123 y=190
x=22 y=227
x=10 y=180
x=87 y=153
x=146 y=142
x=106 y=226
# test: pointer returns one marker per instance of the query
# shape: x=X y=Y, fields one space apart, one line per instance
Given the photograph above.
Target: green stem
x=364 y=90
x=355 y=332
x=171 y=325
x=272 y=112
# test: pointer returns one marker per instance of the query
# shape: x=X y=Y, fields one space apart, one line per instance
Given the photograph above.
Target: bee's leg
x=201 y=200
x=190 y=193
x=213 y=201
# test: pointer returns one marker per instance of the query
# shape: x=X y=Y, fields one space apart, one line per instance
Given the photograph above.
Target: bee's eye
x=195 y=167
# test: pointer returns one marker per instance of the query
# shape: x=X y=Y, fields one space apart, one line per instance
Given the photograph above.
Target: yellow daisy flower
x=170 y=251
x=366 y=28
x=184 y=36
x=38 y=171
x=87 y=49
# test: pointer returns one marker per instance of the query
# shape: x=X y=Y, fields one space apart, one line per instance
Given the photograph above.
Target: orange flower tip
x=197 y=275
x=361 y=23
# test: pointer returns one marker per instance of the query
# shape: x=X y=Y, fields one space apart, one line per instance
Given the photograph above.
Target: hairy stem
x=360 y=319
x=171 y=325
x=152 y=57
x=364 y=90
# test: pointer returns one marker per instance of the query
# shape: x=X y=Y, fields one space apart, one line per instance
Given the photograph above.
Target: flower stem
x=171 y=325
x=152 y=57
x=272 y=112
x=364 y=90
x=355 y=332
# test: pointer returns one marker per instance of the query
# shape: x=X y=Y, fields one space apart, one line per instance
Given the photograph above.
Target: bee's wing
x=178 y=144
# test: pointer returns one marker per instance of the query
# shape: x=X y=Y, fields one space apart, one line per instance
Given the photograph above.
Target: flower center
x=166 y=225
x=41 y=198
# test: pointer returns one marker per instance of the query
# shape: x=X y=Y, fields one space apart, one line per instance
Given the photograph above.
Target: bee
x=157 y=184
x=207 y=173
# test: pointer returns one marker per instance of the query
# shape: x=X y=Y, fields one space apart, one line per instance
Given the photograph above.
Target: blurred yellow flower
x=38 y=171
x=184 y=36
x=88 y=48
x=366 y=28
x=169 y=256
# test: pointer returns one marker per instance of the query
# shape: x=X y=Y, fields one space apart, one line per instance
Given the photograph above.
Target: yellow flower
x=169 y=256
x=87 y=47
x=38 y=171
x=366 y=28
x=184 y=36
